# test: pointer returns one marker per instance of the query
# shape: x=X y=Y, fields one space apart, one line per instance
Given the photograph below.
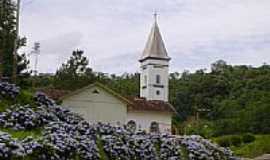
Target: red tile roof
x=141 y=104
x=133 y=103
x=54 y=94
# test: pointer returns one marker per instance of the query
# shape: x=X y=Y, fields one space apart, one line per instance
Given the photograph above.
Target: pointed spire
x=155 y=16
x=155 y=47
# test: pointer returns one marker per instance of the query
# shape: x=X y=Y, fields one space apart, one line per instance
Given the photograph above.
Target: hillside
x=228 y=100
x=43 y=130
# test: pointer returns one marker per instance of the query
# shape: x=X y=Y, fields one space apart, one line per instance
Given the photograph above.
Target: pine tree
x=75 y=72
x=8 y=37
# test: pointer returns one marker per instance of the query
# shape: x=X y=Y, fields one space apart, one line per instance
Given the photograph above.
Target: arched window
x=131 y=125
x=158 y=79
x=158 y=92
x=154 y=127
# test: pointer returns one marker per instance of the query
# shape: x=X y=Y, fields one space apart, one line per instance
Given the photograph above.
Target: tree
x=235 y=99
x=75 y=66
x=7 y=39
x=7 y=35
x=126 y=84
x=75 y=72
x=183 y=105
x=218 y=66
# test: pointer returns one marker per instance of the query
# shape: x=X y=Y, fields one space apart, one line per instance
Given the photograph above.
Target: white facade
x=144 y=119
x=154 y=81
x=154 y=77
x=97 y=105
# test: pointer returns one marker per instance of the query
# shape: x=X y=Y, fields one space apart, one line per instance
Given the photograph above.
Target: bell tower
x=154 y=65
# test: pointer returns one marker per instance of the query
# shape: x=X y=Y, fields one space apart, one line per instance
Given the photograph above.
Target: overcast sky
x=113 y=33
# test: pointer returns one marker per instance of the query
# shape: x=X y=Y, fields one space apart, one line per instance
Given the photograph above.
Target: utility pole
x=1 y=63
x=1 y=45
x=14 y=73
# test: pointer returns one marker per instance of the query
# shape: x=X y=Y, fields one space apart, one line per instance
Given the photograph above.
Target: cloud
x=122 y=63
x=196 y=32
x=56 y=50
x=61 y=44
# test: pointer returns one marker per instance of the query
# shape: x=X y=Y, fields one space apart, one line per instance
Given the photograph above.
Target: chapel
x=98 y=103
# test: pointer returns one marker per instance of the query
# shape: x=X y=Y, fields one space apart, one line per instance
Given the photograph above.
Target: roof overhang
x=103 y=87
x=154 y=58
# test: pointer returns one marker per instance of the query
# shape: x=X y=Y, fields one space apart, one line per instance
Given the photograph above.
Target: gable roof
x=99 y=85
x=133 y=103
x=53 y=93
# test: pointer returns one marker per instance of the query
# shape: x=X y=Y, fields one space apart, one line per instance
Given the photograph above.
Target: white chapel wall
x=95 y=107
x=145 y=118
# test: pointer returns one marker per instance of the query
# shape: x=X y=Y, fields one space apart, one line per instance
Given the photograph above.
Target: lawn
x=23 y=98
x=259 y=147
x=36 y=133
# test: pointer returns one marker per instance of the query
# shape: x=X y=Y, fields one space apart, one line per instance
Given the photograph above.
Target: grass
x=259 y=147
x=103 y=155
x=4 y=104
x=25 y=97
x=184 y=153
x=157 y=146
x=36 y=133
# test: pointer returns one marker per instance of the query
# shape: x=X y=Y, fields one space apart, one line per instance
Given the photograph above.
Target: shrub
x=259 y=147
x=236 y=140
x=224 y=141
x=25 y=97
x=248 y=138
x=65 y=135
x=203 y=128
x=230 y=140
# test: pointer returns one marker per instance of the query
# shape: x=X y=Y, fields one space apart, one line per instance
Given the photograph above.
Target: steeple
x=155 y=47
x=154 y=77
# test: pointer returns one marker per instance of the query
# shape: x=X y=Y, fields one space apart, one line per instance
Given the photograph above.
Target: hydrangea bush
x=67 y=136
x=8 y=90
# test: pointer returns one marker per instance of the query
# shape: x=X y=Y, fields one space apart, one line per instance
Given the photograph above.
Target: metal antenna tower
x=36 y=53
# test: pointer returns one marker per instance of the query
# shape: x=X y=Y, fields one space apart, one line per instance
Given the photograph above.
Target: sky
x=113 y=33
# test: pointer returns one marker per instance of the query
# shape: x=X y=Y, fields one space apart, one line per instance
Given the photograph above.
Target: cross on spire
x=155 y=16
